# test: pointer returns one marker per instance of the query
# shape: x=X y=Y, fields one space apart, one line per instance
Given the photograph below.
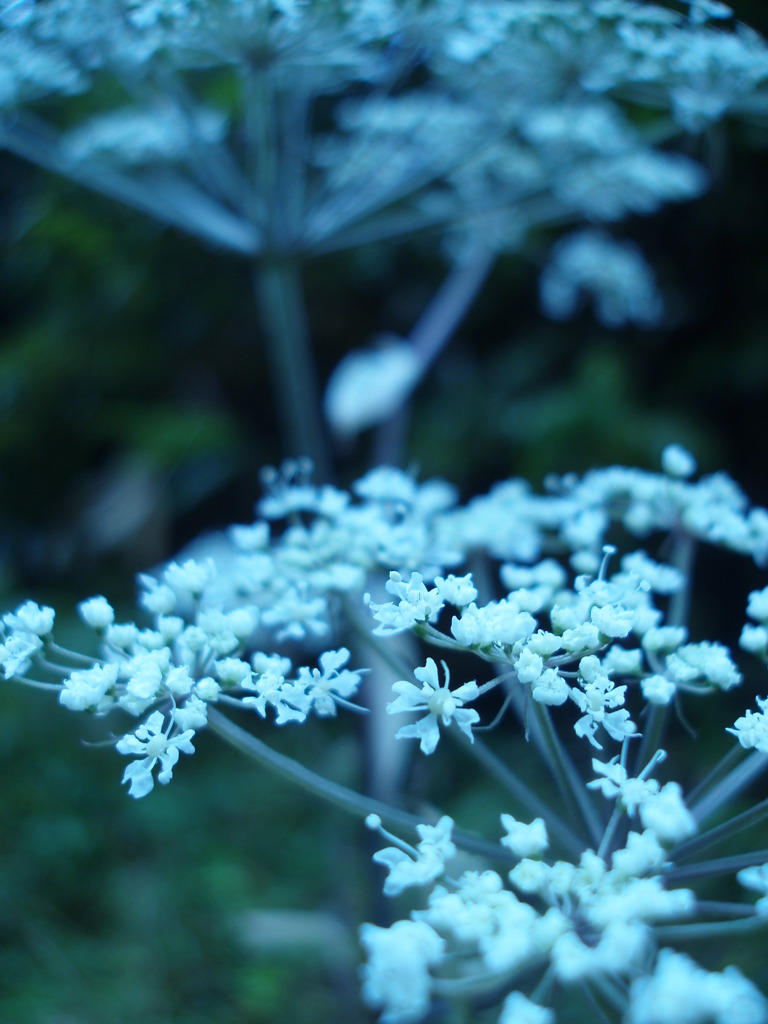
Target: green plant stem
x=710 y=929
x=428 y=339
x=280 y=306
x=166 y=197
x=727 y=829
x=36 y=684
x=683 y=555
x=735 y=782
x=533 y=803
x=362 y=627
x=725 y=765
x=333 y=792
x=564 y=771
x=717 y=866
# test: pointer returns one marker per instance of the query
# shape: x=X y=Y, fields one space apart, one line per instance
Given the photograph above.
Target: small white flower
x=751 y=730
x=179 y=681
x=155 y=597
x=91 y=689
x=667 y=816
x=518 y=1009
x=658 y=689
x=155 y=744
x=679 y=985
x=757 y=605
x=663 y=639
x=370 y=385
x=288 y=700
x=754 y=639
x=396 y=978
x=703 y=662
x=677 y=462
x=613 y=620
x=529 y=666
x=329 y=683
x=232 y=671
x=456 y=590
x=621 y=662
x=550 y=688
x=207 y=689
x=192 y=576
x=439 y=701
x=415 y=604
x=525 y=840
x=96 y=612
x=31 y=618
x=434 y=849
x=17 y=652
x=193 y=714
x=756 y=878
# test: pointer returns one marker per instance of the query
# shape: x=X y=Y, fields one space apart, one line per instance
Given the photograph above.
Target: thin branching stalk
x=564 y=771
x=731 y=786
x=333 y=792
x=523 y=794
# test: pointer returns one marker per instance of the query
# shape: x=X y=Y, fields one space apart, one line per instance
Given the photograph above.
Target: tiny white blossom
x=667 y=816
x=529 y=666
x=456 y=590
x=680 y=992
x=232 y=671
x=662 y=579
x=96 y=612
x=207 y=689
x=677 y=462
x=396 y=977
x=754 y=639
x=179 y=681
x=193 y=714
x=642 y=853
x=524 y=840
x=16 y=653
x=153 y=743
x=663 y=639
x=550 y=688
x=756 y=878
x=658 y=689
x=615 y=782
x=439 y=701
x=155 y=597
x=415 y=604
x=31 y=618
x=518 y=1009
x=329 y=683
x=703 y=662
x=613 y=620
x=192 y=576
x=288 y=700
x=619 y=661
x=751 y=730
x=429 y=863
x=757 y=605
x=91 y=689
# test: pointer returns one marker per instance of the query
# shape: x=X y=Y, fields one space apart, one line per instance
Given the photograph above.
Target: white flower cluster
x=572 y=921
x=577 y=637
x=177 y=666
x=513 y=101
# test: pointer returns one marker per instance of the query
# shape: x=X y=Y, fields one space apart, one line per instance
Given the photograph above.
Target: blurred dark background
x=135 y=413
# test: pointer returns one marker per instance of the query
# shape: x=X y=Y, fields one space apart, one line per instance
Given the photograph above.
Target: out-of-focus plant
x=285 y=130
